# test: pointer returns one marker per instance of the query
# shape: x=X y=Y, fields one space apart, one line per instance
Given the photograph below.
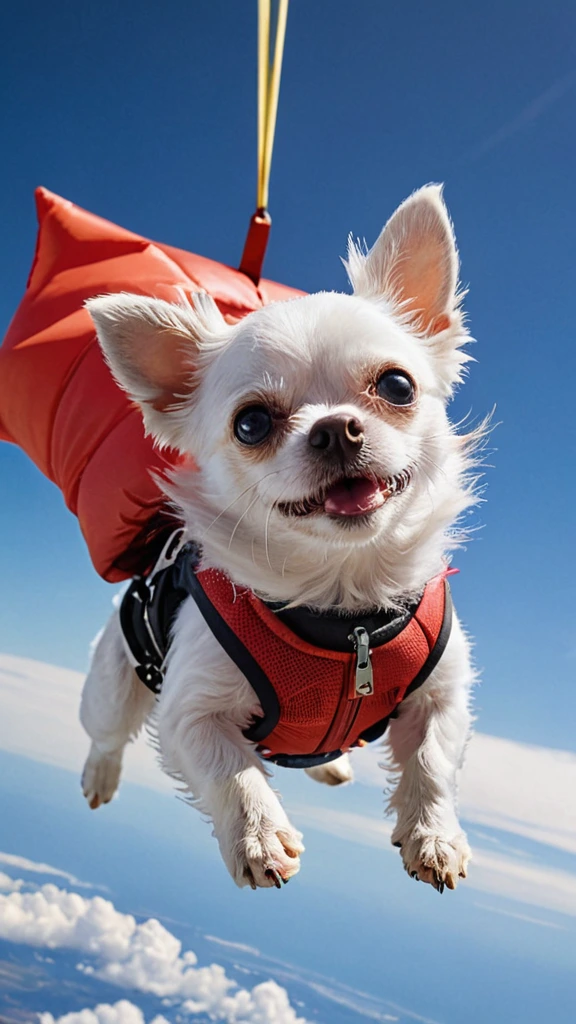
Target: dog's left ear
x=413 y=267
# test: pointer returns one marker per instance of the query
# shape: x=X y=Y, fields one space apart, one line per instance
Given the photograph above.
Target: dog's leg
x=115 y=705
x=335 y=773
x=257 y=842
x=427 y=742
x=204 y=704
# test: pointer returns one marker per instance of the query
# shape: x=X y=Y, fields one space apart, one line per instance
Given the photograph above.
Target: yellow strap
x=269 y=73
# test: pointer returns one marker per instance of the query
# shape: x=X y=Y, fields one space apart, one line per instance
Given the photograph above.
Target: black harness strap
x=238 y=653
x=147 y=613
x=149 y=608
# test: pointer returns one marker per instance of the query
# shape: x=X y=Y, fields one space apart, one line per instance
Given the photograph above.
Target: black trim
x=147 y=614
x=439 y=647
x=239 y=654
x=378 y=730
x=303 y=760
x=330 y=631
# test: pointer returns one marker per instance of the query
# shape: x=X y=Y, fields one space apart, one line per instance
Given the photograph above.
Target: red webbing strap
x=255 y=245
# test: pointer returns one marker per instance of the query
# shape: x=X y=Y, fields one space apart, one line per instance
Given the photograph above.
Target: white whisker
x=239 y=520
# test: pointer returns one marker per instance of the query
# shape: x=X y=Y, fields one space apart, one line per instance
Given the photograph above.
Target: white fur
x=190 y=371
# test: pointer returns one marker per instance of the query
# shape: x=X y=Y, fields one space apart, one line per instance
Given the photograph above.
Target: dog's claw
x=276 y=878
x=440 y=887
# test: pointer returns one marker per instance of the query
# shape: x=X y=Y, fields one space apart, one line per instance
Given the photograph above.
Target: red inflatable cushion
x=58 y=400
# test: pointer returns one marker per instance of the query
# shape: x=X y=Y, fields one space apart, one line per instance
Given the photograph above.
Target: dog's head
x=318 y=425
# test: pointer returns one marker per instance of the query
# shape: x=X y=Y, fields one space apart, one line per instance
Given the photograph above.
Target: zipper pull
x=364 y=682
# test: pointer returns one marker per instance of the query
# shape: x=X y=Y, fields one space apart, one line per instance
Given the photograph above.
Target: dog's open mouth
x=350 y=496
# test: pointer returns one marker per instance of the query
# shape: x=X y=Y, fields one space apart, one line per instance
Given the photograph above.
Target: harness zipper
x=364 y=680
x=349 y=707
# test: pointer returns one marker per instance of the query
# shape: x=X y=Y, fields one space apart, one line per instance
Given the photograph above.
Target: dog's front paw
x=269 y=856
x=259 y=845
x=262 y=855
x=439 y=860
x=100 y=777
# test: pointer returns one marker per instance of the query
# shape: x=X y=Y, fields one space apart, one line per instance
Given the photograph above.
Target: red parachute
x=58 y=400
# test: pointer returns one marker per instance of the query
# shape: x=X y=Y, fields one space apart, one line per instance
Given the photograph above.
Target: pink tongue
x=353 y=497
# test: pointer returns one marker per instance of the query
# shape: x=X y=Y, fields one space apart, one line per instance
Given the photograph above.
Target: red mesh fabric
x=396 y=664
x=314 y=686
x=430 y=611
x=58 y=400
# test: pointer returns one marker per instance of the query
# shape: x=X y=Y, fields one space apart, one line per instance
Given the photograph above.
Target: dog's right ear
x=155 y=349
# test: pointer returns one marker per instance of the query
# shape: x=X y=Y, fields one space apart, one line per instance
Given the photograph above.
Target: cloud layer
x=523 y=790
x=40 y=705
x=122 y=1012
x=513 y=878
x=515 y=787
x=12 y=860
x=146 y=957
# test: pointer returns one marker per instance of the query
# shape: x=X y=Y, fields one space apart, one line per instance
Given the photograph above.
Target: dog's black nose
x=339 y=434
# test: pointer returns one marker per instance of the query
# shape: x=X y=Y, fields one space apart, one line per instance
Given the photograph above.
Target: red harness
x=325 y=682
x=316 y=702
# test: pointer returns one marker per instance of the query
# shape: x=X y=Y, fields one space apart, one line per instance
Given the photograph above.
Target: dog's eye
x=395 y=387
x=253 y=425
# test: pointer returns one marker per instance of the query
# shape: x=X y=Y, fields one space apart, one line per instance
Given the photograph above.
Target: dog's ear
x=154 y=349
x=414 y=266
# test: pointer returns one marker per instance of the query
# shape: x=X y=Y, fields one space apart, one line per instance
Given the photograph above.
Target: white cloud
x=262 y=1006
x=145 y=956
x=345 y=825
x=364 y=1004
x=40 y=705
x=522 y=917
x=526 y=881
x=530 y=113
x=23 y=864
x=266 y=1003
x=516 y=787
x=122 y=1012
x=534 y=884
x=522 y=789
x=9 y=884
x=240 y=946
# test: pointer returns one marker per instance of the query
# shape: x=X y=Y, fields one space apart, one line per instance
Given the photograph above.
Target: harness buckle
x=169 y=553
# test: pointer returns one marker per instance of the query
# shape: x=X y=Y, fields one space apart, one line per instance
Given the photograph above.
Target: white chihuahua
x=327 y=477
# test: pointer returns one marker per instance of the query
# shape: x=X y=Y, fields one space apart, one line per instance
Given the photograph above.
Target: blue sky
x=145 y=114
